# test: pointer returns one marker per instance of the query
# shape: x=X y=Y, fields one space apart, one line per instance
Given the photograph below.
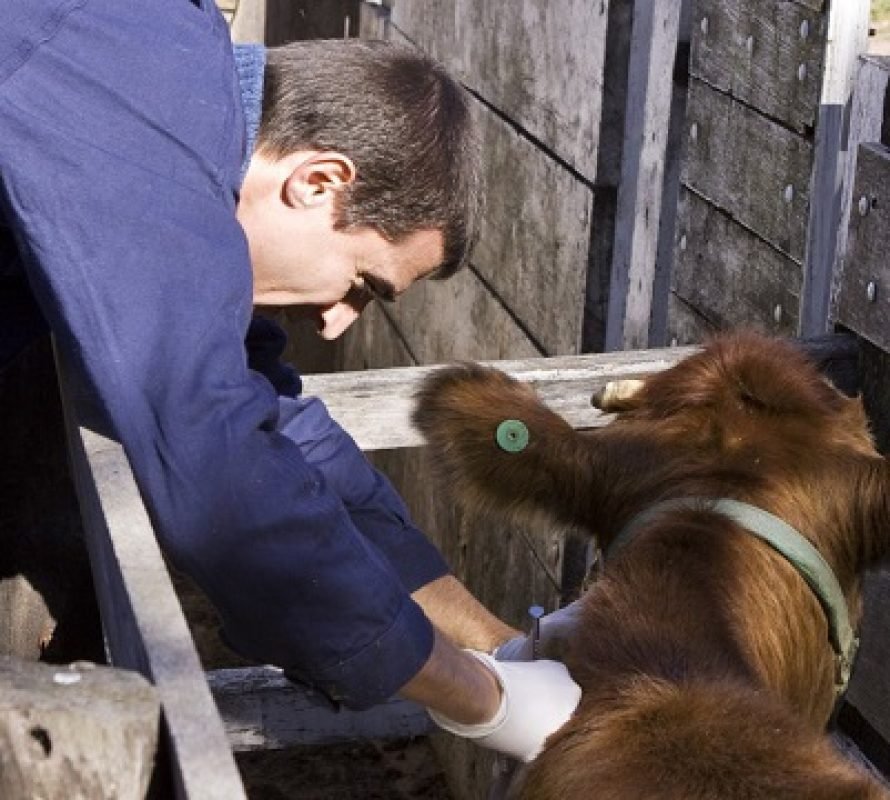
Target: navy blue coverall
x=121 y=147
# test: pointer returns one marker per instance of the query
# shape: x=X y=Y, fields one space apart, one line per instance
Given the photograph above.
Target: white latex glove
x=556 y=629
x=537 y=698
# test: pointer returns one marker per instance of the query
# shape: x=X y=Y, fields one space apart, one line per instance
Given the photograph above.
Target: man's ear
x=316 y=180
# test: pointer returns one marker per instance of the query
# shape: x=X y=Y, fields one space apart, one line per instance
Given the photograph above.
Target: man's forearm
x=460 y=616
x=455 y=684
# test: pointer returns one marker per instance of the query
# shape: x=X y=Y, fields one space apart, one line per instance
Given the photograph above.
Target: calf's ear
x=497 y=448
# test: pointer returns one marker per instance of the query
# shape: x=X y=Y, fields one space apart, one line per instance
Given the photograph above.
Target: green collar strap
x=795 y=548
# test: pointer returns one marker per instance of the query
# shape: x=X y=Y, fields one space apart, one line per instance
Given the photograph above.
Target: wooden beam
x=870 y=686
x=866 y=125
x=847 y=40
x=263 y=710
x=653 y=48
x=864 y=294
x=141 y=616
x=75 y=731
x=375 y=405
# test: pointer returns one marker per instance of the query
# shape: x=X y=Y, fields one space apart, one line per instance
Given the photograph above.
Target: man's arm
x=460 y=616
x=380 y=514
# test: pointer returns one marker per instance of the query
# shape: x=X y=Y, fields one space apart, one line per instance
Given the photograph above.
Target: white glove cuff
x=483 y=728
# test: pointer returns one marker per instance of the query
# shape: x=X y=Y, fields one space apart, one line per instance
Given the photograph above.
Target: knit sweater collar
x=250 y=62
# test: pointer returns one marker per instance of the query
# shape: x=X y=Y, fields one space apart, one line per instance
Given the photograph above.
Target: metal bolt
x=802 y=72
x=805 y=29
x=66 y=678
x=749 y=44
x=674 y=341
x=683 y=243
x=777 y=314
x=704 y=26
x=789 y=193
x=864 y=206
x=871 y=291
x=693 y=132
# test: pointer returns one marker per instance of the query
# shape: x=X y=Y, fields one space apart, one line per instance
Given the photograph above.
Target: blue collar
x=250 y=62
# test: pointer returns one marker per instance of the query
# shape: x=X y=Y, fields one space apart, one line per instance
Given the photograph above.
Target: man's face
x=299 y=259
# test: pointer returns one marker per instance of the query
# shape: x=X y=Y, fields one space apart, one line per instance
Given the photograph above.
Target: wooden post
x=867 y=124
x=847 y=40
x=75 y=731
x=249 y=22
x=653 y=48
x=141 y=616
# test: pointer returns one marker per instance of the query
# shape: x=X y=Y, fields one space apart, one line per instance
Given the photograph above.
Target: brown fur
x=703 y=656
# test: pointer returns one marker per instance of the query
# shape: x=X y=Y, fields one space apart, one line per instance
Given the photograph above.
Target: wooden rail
x=141 y=617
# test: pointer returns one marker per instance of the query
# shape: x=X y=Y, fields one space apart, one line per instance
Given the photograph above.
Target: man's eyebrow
x=381 y=288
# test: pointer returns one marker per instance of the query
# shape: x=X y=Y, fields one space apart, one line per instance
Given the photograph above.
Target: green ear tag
x=512 y=436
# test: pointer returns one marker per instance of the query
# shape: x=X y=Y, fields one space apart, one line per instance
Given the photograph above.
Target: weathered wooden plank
x=373 y=20
x=847 y=41
x=75 y=731
x=533 y=246
x=686 y=325
x=765 y=53
x=867 y=120
x=540 y=64
x=653 y=47
x=534 y=236
x=248 y=22
x=731 y=276
x=375 y=405
x=864 y=296
x=664 y=261
x=870 y=685
x=373 y=342
x=143 y=622
x=458 y=319
x=263 y=710
x=754 y=169
x=288 y=20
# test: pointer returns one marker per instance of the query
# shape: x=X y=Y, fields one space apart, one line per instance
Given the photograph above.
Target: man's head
x=364 y=177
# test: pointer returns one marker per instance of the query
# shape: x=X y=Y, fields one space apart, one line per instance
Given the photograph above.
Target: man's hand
x=537 y=698
x=555 y=631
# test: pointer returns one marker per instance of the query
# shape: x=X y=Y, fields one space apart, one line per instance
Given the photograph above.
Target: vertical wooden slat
x=846 y=41
x=141 y=616
x=866 y=125
x=249 y=21
x=653 y=48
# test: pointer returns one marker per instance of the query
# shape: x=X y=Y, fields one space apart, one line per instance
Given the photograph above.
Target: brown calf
x=704 y=657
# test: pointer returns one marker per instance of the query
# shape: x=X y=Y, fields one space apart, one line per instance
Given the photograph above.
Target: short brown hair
x=403 y=121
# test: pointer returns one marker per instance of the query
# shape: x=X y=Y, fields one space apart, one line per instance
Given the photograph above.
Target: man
x=125 y=175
